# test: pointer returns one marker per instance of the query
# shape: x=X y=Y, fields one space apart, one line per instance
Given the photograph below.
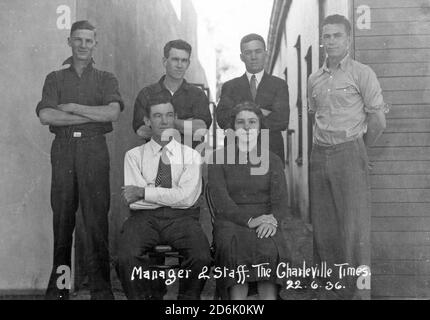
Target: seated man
x=162 y=183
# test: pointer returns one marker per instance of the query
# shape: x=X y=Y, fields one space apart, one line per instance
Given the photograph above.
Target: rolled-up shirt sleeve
x=49 y=94
x=186 y=192
x=371 y=91
x=111 y=91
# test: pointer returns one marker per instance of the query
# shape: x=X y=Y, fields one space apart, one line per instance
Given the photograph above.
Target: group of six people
x=163 y=178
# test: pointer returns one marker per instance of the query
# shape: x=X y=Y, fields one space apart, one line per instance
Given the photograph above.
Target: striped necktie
x=164 y=174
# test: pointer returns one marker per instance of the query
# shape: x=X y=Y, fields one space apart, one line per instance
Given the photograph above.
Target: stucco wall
x=30 y=46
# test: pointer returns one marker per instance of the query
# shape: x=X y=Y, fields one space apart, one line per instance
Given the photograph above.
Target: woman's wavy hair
x=247 y=106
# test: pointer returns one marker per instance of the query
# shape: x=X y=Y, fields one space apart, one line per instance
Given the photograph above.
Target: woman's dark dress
x=237 y=196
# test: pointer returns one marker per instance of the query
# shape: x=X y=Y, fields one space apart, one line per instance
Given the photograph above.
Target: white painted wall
x=342 y=7
x=303 y=19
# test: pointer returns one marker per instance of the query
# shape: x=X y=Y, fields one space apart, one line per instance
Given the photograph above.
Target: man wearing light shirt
x=163 y=182
x=186 y=175
x=347 y=107
x=270 y=93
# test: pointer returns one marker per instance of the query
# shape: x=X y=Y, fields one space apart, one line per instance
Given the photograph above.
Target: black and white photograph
x=204 y=151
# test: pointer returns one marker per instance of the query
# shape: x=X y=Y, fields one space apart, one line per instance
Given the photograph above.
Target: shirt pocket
x=344 y=96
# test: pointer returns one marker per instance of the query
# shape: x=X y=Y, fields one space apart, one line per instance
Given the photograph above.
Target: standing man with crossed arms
x=79 y=103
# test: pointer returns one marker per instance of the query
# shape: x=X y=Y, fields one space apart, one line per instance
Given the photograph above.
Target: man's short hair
x=251 y=37
x=177 y=44
x=338 y=19
x=82 y=25
x=156 y=99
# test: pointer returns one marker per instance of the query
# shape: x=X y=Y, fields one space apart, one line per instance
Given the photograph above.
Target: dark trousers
x=340 y=210
x=80 y=174
x=142 y=231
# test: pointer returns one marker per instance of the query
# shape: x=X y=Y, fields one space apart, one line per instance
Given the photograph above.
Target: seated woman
x=248 y=210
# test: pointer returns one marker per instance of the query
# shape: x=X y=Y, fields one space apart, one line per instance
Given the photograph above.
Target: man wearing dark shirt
x=268 y=92
x=79 y=104
x=191 y=103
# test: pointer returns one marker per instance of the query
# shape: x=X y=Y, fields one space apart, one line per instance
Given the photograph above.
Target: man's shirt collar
x=69 y=61
x=342 y=64
x=258 y=76
x=156 y=148
x=184 y=86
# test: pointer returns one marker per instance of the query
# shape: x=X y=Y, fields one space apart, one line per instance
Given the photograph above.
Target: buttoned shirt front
x=341 y=100
x=141 y=167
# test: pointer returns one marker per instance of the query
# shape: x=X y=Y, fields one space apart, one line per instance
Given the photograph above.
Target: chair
x=160 y=254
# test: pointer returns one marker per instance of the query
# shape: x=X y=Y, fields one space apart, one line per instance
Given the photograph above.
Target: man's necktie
x=164 y=174
x=253 y=86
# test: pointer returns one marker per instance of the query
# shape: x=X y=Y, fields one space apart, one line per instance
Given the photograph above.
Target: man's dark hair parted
x=338 y=19
x=251 y=37
x=82 y=25
x=177 y=44
x=156 y=99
